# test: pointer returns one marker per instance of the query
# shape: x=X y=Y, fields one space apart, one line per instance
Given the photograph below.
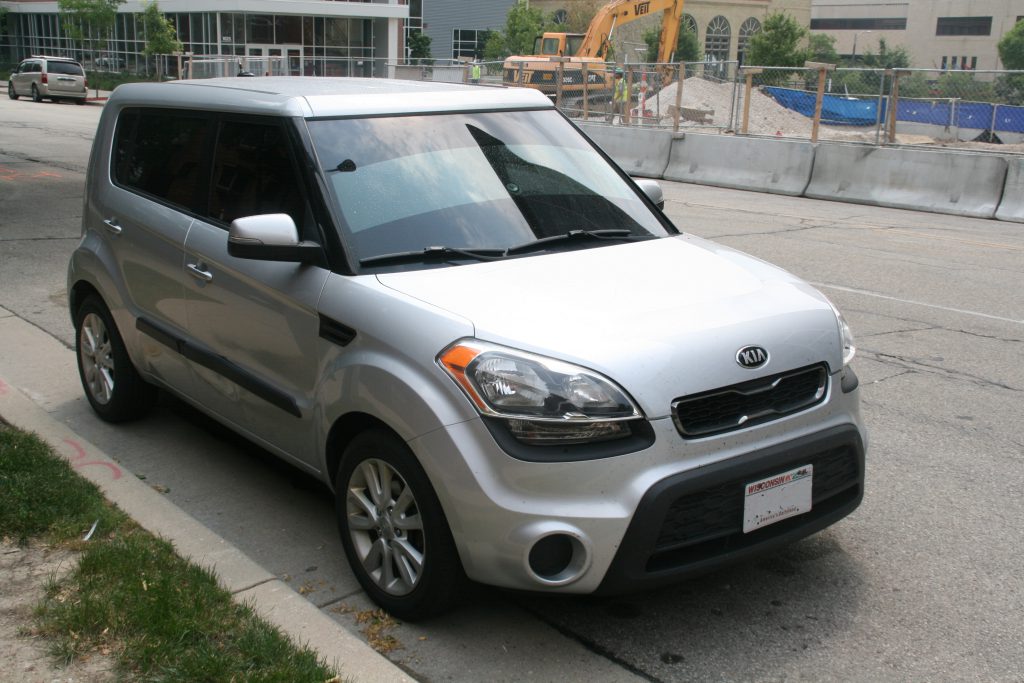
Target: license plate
x=776 y=498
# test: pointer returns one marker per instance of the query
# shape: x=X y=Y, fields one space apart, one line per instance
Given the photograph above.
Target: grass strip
x=163 y=618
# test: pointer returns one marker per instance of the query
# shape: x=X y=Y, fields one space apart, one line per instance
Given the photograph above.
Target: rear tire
x=394 y=532
x=112 y=384
x=80 y=101
x=10 y=91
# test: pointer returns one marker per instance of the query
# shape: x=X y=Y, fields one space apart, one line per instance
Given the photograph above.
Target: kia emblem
x=752 y=357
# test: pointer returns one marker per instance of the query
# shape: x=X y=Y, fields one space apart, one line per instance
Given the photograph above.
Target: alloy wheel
x=97 y=358
x=385 y=527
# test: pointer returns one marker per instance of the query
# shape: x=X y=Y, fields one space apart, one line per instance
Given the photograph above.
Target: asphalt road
x=923 y=582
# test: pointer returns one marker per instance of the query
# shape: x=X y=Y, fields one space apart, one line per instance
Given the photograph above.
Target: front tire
x=113 y=386
x=10 y=91
x=394 y=532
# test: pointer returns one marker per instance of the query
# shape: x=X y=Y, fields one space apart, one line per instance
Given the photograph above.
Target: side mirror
x=270 y=237
x=653 y=191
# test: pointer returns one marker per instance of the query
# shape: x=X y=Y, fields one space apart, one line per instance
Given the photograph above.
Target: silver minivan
x=44 y=77
x=450 y=306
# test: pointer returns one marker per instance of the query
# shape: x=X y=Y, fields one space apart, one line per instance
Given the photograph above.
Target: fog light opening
x=557 y=559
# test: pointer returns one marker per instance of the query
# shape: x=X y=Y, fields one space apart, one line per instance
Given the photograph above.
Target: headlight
x=542 y=400
x=849 y=348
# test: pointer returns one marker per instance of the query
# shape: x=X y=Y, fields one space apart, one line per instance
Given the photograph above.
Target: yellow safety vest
x=621 y=92
x=475 y=72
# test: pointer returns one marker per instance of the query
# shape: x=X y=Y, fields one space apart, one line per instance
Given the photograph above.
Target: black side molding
x=221 y=365
x=335 y=332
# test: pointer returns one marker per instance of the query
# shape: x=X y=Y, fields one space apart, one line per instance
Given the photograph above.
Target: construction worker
x=620 y=97
x=474 y=73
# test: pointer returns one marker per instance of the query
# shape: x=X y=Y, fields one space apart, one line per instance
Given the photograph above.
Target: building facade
x=938 y=34
x=338 y=38
x=458 y=29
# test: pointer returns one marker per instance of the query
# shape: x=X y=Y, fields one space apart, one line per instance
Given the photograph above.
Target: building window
x=716 y=44
x=878 y=24
x=689 y=24
x=469 y=43
x=750 y=27
x=945 y=62
x=964 y=26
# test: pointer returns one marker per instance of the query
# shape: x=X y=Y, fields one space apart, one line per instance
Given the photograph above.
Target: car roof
x=314 y=97
x=53 y=59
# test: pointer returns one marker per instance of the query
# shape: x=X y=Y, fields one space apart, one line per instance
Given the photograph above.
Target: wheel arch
x=344 y=430
x=78 y=292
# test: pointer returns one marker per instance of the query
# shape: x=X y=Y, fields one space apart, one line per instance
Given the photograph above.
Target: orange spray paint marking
x=77 y=463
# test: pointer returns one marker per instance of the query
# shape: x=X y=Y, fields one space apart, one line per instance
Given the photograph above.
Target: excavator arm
x=599 y=33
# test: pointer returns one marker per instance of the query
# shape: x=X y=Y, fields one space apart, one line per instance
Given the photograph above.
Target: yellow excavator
x=572 y=55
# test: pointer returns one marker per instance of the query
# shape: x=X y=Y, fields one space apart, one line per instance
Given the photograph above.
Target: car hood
x=663 y=318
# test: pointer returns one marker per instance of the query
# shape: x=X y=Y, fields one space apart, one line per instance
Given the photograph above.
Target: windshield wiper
x=611 y=234
x=418 y=255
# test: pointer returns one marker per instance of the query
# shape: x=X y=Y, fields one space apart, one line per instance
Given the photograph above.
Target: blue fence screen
x=843 y=111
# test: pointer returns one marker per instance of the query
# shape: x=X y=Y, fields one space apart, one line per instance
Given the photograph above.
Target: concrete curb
x=249 y=583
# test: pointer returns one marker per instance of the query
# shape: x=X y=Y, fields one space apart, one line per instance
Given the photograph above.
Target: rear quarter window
x=161 y=154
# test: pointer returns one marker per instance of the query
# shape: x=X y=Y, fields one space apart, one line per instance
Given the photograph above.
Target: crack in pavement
x=37 y=239
x=882 y=334
x=920 y=366
x=45 y=162
x=898 y=374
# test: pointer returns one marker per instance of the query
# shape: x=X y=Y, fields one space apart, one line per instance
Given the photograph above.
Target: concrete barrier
x=1011 y=208
x=742 y=163
x=940 y=181
x=640 y=152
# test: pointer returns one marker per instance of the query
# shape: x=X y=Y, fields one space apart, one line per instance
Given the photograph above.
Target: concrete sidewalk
x=23 y=345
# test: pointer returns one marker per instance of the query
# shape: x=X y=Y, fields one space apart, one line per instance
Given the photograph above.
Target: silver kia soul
x=446 y=303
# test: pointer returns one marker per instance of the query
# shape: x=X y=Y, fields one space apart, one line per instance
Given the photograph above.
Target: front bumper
x=692 y=522
x=610 y=512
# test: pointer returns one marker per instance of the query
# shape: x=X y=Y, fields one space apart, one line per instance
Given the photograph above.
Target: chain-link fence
x=962 y=109
x=969 y=109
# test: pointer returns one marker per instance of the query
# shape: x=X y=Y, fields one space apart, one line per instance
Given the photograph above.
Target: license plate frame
x=777 y=497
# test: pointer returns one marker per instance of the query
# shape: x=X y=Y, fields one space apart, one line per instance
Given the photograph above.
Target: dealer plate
x=777 y=497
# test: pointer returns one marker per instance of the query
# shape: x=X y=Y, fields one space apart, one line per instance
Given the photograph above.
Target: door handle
x=196 y=271
x=112 y=226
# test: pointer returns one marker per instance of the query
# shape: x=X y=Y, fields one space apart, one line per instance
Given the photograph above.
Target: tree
x=887 y=57
x=161 y=38
x=687 y=45
x=579 y=14
x=419 y=45
x=523 y=25
x=821 y=47
x=778 y=43
x=1011 y=47
x=82 y=19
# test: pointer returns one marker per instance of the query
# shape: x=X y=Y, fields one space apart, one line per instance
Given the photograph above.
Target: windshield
x=471 y=181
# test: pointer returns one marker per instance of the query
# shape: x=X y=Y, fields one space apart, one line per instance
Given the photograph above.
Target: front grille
x=709 y=522
x=749 y=403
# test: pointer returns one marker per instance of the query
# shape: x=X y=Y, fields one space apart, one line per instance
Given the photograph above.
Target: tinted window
x=69 y=68
x=160 y=153
x=253 y=174
x=963 y=26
